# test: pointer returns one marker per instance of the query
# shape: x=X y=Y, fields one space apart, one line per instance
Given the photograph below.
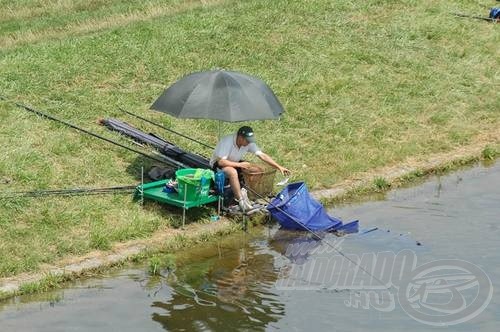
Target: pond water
x=433 y=260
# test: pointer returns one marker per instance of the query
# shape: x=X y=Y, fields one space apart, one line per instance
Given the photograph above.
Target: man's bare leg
x=232 y=175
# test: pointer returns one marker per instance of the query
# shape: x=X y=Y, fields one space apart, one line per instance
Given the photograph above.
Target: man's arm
x=264 y=157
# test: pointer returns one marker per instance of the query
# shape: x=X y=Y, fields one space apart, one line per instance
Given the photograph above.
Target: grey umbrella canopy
x=220 y=95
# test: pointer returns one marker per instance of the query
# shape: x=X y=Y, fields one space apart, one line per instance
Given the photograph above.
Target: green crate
x=155 y=192
x=196 y=183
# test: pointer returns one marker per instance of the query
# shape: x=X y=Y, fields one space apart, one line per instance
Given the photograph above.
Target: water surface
x=249 y=281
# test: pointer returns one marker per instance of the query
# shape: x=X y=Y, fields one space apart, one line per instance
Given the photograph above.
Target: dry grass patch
x=91 y=25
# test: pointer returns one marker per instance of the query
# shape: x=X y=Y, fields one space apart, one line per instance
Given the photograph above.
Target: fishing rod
x=321 y=239
x=68 y=192
x=168 y=129
x=164 y=159
x=477 y=17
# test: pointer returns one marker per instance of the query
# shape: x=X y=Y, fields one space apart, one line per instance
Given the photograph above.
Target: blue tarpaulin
x=295 y=209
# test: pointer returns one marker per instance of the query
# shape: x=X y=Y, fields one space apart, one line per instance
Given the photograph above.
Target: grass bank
x=157 y=251
x=364 y=84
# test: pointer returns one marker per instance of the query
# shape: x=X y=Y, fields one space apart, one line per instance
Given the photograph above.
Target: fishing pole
x=477 y=17
x=68 y=192
x=163 y=127
x=164 y=159
x=321 y=239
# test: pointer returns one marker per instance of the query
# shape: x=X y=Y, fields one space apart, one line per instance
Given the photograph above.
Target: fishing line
x=321 y=239
x=167 y=129
x=68 y=192
x=164 y=159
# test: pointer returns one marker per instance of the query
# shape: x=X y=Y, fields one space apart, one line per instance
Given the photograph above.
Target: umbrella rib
x=228 y=78
x=194 y=95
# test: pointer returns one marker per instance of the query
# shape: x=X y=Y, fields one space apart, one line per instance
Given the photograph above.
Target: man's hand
x=284 y=171
x=270 y=161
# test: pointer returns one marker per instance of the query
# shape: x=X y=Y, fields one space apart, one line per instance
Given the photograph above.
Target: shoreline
x=171 y=240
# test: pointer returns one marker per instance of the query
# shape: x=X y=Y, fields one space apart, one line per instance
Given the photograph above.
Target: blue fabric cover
x=295 y=209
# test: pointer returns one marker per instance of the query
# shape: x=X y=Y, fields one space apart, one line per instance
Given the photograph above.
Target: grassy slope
x=364 y=84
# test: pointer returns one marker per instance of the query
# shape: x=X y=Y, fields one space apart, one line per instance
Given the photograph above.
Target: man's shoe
x=244 y=194
x=245 y=205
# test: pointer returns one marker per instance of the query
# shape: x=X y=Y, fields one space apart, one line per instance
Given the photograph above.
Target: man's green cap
x=247 y=132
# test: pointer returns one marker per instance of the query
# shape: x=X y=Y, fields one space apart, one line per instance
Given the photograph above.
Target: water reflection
x=230 y=285
x=295 y=245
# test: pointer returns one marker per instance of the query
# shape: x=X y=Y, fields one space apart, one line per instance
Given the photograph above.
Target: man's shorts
x=216 y=167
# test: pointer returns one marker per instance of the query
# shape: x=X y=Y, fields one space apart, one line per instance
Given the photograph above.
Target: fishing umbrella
x=220 y=95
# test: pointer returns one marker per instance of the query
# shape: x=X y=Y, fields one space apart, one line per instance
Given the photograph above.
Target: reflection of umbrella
x=220 y=95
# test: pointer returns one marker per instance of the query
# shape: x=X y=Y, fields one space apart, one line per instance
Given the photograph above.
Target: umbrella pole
x=220 y=123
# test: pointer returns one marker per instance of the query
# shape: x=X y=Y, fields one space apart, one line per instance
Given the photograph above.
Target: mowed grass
x=364 y=84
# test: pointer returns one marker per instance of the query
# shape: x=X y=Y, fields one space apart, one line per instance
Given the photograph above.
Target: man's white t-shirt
x=227 y=149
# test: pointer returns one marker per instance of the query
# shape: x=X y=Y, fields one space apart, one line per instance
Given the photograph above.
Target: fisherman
x=228 y=155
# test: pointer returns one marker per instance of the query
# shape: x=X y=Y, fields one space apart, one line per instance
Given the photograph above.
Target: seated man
x=228 y=155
